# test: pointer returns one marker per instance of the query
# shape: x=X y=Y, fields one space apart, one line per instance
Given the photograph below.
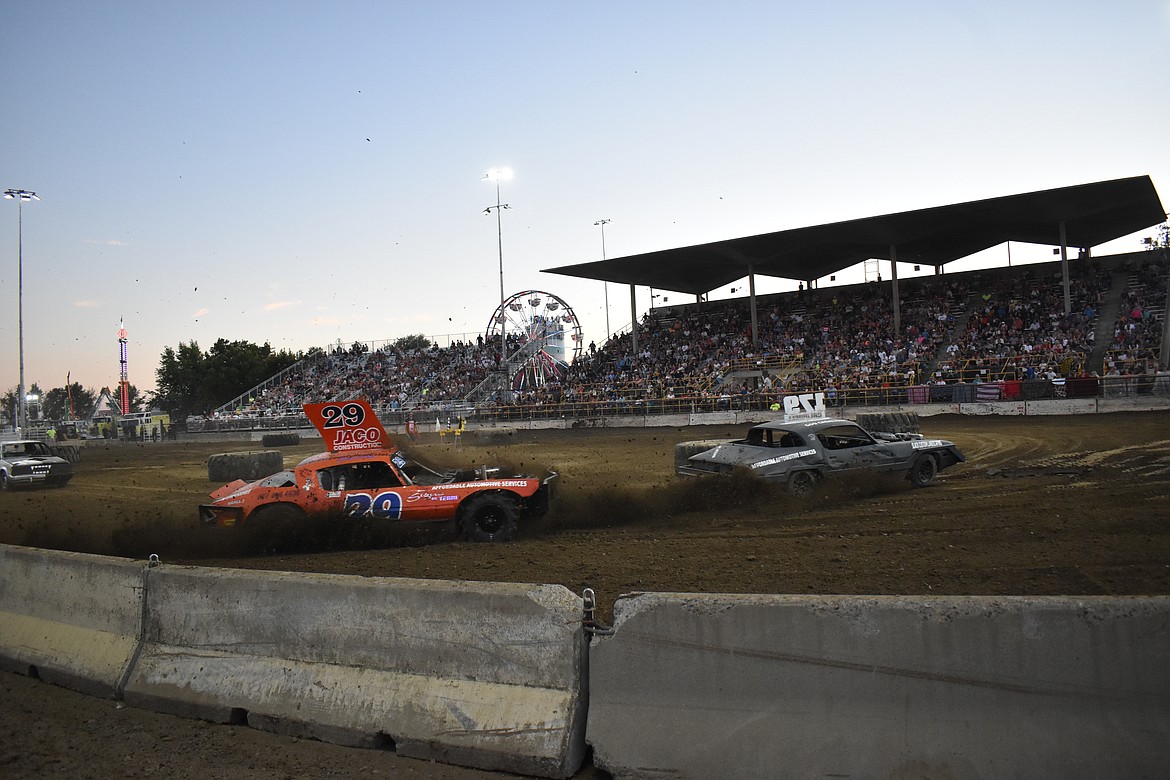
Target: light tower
x=21 y=197
x=497 y=175
x=123 y=381
x=602 y=223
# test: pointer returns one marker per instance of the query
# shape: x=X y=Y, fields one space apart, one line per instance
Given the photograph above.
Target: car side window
x=790 y=439
x=372 y=475
x=844 y=437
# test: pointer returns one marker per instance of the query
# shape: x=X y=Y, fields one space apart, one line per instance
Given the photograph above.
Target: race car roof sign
x=347 y=425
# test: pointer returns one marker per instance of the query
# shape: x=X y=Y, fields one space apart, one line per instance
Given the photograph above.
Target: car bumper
x=54 y=478
x=221 y=516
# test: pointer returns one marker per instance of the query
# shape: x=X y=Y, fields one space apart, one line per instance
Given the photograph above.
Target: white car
x=28 y=462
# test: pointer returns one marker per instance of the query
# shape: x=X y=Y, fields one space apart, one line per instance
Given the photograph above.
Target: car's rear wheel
x=923 y=470
x=802 y=483
x=490 y=517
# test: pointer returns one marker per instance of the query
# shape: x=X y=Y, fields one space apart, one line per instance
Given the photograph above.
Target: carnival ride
x=542 y=336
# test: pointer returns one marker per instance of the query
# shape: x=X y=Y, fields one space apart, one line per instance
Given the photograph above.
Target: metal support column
x=1064 y=270
x=752 y=304
x=634 y=322
x=894 y=280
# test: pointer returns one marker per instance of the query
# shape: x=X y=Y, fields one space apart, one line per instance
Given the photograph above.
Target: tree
x=178 y=384
x=1161 y=241
x=189 y=381
x=414 y=341
x=58 y=407
x=34 y=409
x=8 y=407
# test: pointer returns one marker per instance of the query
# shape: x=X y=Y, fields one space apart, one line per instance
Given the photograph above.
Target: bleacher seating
x=1006 y=323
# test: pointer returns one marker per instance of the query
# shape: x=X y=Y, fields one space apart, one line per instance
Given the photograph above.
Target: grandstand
x=1088 y=327
x=1005 y=327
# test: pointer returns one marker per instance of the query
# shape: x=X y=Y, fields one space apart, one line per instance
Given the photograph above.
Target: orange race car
x=364 y=476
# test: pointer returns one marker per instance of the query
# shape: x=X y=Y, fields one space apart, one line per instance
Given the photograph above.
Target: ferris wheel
x=543 y=337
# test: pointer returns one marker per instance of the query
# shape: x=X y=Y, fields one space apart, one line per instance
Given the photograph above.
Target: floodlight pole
x=602 y=223
x=495 y=174
x=20 y=196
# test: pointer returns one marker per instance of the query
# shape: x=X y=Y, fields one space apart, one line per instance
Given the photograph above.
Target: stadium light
x=20 y=196
x=497 y=175
x=602 y=223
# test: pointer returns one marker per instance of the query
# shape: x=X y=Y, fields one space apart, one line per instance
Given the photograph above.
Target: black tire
x=490 y=517
x=801 y=484
x=923 y=470
x=536 y=507
x=4 y=485
x=272 y=528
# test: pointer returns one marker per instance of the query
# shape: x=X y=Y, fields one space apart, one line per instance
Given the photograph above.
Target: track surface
x=1061 y=505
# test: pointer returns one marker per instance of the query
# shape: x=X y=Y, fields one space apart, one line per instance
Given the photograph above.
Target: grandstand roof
x=1092 y=213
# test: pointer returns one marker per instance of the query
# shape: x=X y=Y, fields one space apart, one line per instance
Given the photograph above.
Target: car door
x=366 y=489
x=848 y=447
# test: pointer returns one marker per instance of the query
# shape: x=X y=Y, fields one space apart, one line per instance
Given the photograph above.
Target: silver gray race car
x=28 y=462
x=803 y=453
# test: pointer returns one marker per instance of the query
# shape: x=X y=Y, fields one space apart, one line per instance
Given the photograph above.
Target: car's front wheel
x=490 y=517
x=802 y=483
x=923 y=470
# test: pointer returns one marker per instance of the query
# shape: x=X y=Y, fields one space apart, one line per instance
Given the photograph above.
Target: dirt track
x=1043 y=506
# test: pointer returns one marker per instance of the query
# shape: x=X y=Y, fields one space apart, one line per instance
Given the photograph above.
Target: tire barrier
x=70 y=452
x=70 y=619
x=280 y=439
x=487 y=675
x=229 y=466
x=890 y=422
x=696 y=686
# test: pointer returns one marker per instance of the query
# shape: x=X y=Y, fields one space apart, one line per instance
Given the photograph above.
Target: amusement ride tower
x=123 y=381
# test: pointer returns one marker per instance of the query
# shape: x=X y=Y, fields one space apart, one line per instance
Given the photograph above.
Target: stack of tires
x=889 y=422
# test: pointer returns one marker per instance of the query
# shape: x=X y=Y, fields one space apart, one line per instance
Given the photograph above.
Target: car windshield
x=24 y=448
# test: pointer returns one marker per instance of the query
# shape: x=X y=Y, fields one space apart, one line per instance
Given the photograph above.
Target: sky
x=303 y=173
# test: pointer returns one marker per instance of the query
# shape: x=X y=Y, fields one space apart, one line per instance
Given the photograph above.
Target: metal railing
x=649 y=405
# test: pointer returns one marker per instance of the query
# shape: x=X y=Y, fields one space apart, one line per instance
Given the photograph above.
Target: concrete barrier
x=697 y=686
x=68 y=618
x=488 y=675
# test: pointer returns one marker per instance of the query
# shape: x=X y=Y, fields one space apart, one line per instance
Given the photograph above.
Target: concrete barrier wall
x=68 y=618
x=482 y=674
x=701 y=686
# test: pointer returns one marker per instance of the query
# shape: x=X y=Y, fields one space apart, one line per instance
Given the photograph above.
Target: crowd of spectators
x=1137 y=333
x=962 y=327
x=1017 y=326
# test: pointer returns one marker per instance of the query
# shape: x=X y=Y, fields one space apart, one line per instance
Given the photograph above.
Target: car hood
x=36 y=459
